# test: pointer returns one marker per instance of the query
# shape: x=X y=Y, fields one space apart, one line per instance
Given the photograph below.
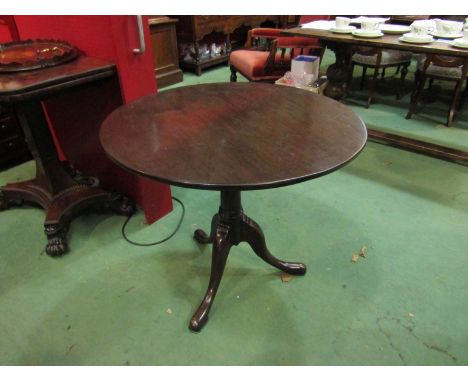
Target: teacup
x=342 y=22
x=419 y=30
x=447 y=27
x=370 y=25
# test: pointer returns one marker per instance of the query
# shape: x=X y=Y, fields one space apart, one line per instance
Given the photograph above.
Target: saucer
x=347 y=29
x=394 y=28
x=361 y=33
x=416 y=39
x=459 y=43
x=446 y=35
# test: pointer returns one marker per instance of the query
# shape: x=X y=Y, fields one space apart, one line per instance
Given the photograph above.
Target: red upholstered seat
x=252 y=63
x=268 y=55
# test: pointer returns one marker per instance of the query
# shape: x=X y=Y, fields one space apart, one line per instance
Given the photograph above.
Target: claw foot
x=56 y=236
x=122 y=204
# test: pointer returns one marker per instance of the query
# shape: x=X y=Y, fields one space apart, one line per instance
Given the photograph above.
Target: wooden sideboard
x=165 y=52
x=191 y=30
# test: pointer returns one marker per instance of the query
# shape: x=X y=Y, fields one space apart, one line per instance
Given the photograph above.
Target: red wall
x=111 y=38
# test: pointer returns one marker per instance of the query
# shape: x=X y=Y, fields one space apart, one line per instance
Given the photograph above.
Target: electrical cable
x=159 y=241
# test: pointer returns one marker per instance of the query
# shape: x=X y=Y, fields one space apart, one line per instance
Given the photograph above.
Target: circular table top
x=237 y=136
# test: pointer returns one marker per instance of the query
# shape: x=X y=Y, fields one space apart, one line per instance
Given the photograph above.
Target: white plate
x=361 y=33
x=416 y=40
x=459 y=43
x=441 y=35
x=394 y=28
x=348 y=29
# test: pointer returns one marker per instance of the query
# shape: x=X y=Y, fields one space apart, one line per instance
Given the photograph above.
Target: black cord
x=159 y=241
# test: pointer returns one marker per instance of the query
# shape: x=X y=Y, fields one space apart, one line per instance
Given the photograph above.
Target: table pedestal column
x=338 y=74
x=59 y=189
x=230 y=226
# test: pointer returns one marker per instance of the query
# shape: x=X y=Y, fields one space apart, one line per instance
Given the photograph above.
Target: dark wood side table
x=231 y=138
x=58 y=188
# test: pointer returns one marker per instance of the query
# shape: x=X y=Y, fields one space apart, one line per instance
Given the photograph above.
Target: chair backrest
x=447 y=62
x=369 y=51
x=260 y=37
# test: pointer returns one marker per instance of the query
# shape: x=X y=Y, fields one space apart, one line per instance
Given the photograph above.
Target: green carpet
x=106 y=302
x=111 y=303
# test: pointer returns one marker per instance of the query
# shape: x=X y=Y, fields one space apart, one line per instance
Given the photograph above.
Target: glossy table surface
x=234 y=136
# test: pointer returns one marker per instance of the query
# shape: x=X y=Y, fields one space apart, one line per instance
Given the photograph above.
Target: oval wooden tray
x=34 y=54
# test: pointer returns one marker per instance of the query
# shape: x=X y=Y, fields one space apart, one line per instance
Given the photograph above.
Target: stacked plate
x=366 y=34
x=416 y=39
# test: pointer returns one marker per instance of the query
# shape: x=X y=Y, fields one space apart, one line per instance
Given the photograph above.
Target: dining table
x=338 y=74
x=233 y=138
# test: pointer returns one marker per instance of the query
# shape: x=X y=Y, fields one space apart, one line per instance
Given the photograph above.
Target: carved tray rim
x=16 y=66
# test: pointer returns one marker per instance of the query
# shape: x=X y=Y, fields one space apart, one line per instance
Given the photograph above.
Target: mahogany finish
x=58 y=188
x=338 y=75
x=233 y=137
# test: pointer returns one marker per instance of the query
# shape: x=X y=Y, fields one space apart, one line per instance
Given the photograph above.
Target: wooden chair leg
x=364 y=70
x=350 y=75
x=233 y=74
x=431 y=81
x=463 y=96
x=398 y=69
x=401 y=88
x=415 y=96
x=453 y=104
x=372 y=87
x=383 y=74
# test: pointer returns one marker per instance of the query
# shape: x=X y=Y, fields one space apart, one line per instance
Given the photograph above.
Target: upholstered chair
x=267 y=55
x=439 y=67
x=380 y=59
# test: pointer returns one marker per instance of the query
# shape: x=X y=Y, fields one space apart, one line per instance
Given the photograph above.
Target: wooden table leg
x=339 y=72
x=59 y=189
x=230 y=227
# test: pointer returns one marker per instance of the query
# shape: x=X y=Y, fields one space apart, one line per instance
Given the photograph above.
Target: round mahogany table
x=233 y=137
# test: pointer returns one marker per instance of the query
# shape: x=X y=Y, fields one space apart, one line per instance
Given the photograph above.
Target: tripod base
x=230 y=226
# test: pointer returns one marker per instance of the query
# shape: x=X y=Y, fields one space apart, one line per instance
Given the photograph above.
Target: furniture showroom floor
x=108 y=302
